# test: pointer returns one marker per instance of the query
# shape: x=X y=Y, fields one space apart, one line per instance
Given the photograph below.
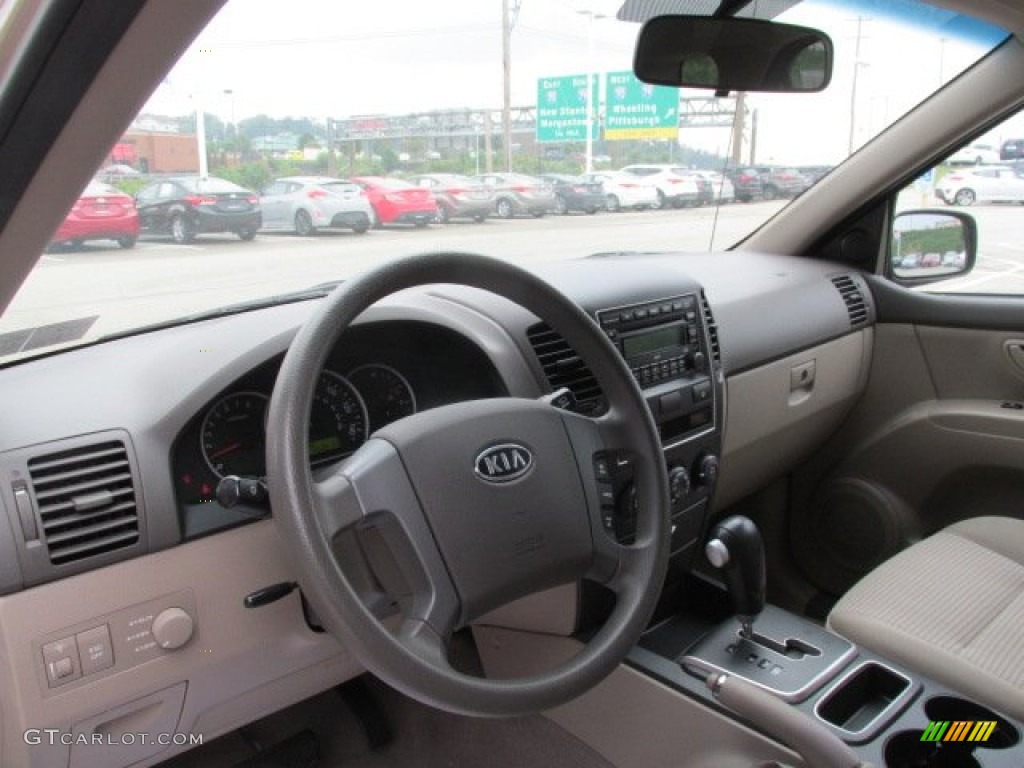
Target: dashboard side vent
x=709 y=321
x=86 y=500
x=852 y=296
x=564 y=368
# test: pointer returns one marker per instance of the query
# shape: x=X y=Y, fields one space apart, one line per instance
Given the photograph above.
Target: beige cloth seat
x=950 y=607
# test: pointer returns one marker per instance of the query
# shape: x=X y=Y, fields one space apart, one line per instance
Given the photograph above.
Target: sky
x=320 y=58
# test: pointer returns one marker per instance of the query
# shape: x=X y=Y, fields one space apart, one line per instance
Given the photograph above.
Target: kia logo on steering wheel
x=503 y=463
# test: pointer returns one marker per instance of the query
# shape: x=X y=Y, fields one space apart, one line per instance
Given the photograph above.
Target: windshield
x=394 y=90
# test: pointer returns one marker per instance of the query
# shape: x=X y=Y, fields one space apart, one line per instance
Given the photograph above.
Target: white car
x=623 y=190
x=677 y=186
x=304 y=204
x=984 y=184
x=977 y=153
x=722 y=190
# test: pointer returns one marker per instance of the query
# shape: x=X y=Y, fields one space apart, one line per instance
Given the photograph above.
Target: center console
x=805 y=686
x=670 y=344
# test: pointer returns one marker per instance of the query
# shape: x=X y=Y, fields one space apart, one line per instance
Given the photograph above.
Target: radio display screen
x=642 y=343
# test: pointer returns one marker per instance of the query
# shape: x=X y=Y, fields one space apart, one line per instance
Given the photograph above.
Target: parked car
x=518 y=194
x=814 y=173
x=101 y=212
x=976 y=153
x=118 y=171
x=623 y=190
x=304 y=204
x=575 y=194
x=779 y=182
x=720 y=188
x=1012 y=149
x=982 y=184
x=398 y=202
x=457 y=196
x=677 y=186
x=185 y=207
x=747 y=183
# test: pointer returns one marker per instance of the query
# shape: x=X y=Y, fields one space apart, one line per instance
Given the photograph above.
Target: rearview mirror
x=730 y=54
x=928 y=246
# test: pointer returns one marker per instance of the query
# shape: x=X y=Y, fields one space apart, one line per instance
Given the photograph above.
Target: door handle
x=1014 y=349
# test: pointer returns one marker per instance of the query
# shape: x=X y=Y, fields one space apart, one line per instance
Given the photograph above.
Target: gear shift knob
x=735 y=546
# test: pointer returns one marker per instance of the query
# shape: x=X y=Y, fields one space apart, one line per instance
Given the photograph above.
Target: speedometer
x=232 y=437
x=338 y=423
x=386 y=392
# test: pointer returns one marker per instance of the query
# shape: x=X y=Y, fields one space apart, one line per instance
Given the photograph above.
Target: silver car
x=304 y=204
x=517 y=193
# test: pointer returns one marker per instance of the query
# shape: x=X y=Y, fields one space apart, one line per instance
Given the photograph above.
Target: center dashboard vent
x=709 y=321
x=853 y=297
x=564 y=368
x=86 y=500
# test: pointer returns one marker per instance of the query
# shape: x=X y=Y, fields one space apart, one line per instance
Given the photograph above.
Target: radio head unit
x=665 y=345
x=661 y=340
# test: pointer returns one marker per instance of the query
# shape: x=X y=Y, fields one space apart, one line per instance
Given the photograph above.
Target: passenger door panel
x=938 y=437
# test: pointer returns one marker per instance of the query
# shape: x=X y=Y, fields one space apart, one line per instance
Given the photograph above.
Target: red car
x=398 y=202
x=101 y=213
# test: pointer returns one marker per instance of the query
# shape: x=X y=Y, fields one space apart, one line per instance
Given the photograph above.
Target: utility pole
x=201 y=137
x=591 y=95
x=508 y=20
x=738 y=126
x=753 y=137
x=488 y=144
x=330 y=147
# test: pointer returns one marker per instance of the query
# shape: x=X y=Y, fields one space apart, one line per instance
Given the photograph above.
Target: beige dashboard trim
x=240 y=663
x=777 y=415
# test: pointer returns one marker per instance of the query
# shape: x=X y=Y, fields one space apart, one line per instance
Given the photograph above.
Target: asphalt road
x=159 y=280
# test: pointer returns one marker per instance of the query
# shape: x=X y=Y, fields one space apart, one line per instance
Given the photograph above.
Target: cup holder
x=954 y=709
x=906 y=749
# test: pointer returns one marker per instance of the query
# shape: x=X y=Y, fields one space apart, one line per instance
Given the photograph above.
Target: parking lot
x=156 y=279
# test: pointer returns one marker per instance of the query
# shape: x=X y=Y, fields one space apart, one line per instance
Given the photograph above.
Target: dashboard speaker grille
x=852 y=296
x=86 y=500
x=709 y=321
x=564 y=368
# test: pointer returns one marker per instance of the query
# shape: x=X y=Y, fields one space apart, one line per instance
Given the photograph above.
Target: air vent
x=709 y=321
x=853 y=298
x=86 y=501
x=564 y=368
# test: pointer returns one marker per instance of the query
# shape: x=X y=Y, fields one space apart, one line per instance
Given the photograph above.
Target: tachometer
x=232 y=435
x=338 y=423
x=385 y=391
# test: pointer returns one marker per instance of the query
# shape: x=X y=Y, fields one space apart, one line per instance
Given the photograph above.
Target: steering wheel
x=472 y=504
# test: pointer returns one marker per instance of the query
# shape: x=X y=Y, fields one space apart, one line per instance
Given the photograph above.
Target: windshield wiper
x=306 y=294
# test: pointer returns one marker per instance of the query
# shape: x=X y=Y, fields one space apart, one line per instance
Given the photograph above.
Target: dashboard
x=108 y=508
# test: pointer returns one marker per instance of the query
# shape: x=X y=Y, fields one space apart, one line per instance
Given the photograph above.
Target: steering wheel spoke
x=336 y=503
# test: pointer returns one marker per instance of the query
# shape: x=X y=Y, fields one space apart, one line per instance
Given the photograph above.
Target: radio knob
x=172 y=628
x=678 y=486
x=707 y=470
x=698 y=361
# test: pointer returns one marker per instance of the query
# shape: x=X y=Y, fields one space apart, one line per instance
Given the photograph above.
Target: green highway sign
x=635 y=110
x=562 y=108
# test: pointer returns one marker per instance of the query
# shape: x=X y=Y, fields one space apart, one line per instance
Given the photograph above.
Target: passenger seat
x=950 y=607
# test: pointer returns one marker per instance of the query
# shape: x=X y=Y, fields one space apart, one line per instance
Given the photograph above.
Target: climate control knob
x=678 y=486
x=172 y=628
x=706 y=471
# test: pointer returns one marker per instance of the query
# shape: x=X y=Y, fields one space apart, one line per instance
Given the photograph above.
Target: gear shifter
x=735 y=546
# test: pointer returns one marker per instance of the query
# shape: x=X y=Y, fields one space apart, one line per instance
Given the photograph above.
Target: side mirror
x=928 y=246
x=733 y=54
